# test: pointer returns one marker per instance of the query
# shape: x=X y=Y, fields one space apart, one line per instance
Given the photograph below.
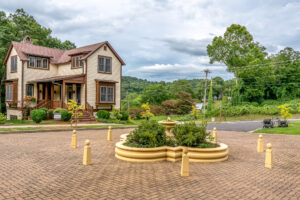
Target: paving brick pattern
x=43 y=166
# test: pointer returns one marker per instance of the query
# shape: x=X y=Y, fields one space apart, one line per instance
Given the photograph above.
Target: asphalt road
x=239 y=126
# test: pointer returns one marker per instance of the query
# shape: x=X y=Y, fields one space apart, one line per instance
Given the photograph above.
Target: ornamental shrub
x=191 y=135
x=58 y=110
x=44 y=110
x=2 y=118
x=65 y=115
x=169 y=107
x=136 y=112
x=148 y=134
x=124 y=116
x=156 y=110
x=50 y=114
x=103 y=114
x=115 y=114
x=38 y=115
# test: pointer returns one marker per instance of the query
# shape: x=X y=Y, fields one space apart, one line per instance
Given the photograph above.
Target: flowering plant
x=30 y=98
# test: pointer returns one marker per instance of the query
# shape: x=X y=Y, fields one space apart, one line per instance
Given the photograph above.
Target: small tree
x=210 y=97
x=147 y=113
x=195 y=112
x=285 y=112
x=75 y=110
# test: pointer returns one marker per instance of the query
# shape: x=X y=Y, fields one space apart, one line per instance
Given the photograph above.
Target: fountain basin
x=173 y=154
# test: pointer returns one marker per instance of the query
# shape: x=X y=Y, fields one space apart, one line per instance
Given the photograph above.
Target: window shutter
x=97 y=92
x=15 y=91
x=16 y=63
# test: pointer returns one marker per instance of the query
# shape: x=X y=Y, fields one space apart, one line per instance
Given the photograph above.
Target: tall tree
x=235 y=48
x=14 y=28
x=155 y=94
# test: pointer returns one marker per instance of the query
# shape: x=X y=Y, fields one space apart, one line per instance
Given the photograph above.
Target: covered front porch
x=55 y=92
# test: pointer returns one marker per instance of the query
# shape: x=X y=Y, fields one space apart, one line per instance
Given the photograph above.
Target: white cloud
x=163 y=38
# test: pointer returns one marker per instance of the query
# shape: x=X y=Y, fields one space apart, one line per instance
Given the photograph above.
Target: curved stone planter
x=172 y=154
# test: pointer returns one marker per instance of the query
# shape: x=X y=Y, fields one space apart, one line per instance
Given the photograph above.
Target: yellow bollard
x=74 y=140
x=215 y=134
x=109 y=134
x=269 y=157
x=185 y=163
x=87 y=156
x=260 y=144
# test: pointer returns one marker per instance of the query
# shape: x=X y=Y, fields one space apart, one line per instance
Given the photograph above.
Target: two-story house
x=38 y=76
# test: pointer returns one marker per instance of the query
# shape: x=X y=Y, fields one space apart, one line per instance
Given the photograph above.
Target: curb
x=63 y=130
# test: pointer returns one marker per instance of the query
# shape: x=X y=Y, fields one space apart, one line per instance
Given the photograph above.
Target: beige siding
x=15 y=75
x=10 y=112
x=66 y=69
x=92 y=74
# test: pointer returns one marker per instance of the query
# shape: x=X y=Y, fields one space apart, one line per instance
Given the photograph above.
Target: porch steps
x=86 y=117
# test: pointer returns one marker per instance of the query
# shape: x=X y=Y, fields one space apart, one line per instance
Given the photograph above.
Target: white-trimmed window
x=9 y=93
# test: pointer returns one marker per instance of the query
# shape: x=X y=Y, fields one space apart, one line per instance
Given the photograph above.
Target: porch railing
x=89 y=109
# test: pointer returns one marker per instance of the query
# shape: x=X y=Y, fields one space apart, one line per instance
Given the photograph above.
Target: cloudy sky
x=165 y=39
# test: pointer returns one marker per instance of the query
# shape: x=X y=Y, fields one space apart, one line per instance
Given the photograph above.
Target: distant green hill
x=137 y=85
x=134 y=85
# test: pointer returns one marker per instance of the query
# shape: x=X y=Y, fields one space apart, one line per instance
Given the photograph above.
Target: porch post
x=63 y=94
x=46 y=91
x=52 y=95
x=38 y=92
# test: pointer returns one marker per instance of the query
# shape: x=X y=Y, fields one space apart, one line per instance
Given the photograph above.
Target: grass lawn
x=26 y=122
x=62 y=127
x=223 y=119
x=293 y=129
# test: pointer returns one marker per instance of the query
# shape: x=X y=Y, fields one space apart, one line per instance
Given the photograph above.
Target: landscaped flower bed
x=148 y=143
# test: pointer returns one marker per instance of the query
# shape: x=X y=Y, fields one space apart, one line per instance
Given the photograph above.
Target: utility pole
x=127 y=102
x=206 y=71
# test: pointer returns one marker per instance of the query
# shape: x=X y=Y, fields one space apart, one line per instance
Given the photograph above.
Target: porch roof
x=74 y=78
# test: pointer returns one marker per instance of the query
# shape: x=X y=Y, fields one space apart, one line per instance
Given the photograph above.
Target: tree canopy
x=15 y=27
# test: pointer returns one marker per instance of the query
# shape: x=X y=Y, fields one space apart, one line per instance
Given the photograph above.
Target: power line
x=267 y=64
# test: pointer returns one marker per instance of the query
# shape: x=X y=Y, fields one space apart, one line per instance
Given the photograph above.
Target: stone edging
x=172 y=154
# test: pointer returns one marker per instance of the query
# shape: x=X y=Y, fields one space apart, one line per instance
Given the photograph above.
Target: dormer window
x=45 y=63
x=77 y=62
x=38 y=63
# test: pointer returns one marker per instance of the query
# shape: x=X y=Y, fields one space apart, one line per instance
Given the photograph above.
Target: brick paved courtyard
x=43 y=166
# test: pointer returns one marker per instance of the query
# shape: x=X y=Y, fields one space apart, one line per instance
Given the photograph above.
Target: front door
x=78 y=94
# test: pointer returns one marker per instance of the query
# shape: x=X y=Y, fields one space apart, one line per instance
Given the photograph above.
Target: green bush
x=65 y=115
x=44 y=110
x=2 y=118
x=58 y=110
x=103 y=114
x=136 y=112
x=148 y=134
x=51 y=114
x=191 y=135
x=115 y=114
x=38 y=115
x=124 y=116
